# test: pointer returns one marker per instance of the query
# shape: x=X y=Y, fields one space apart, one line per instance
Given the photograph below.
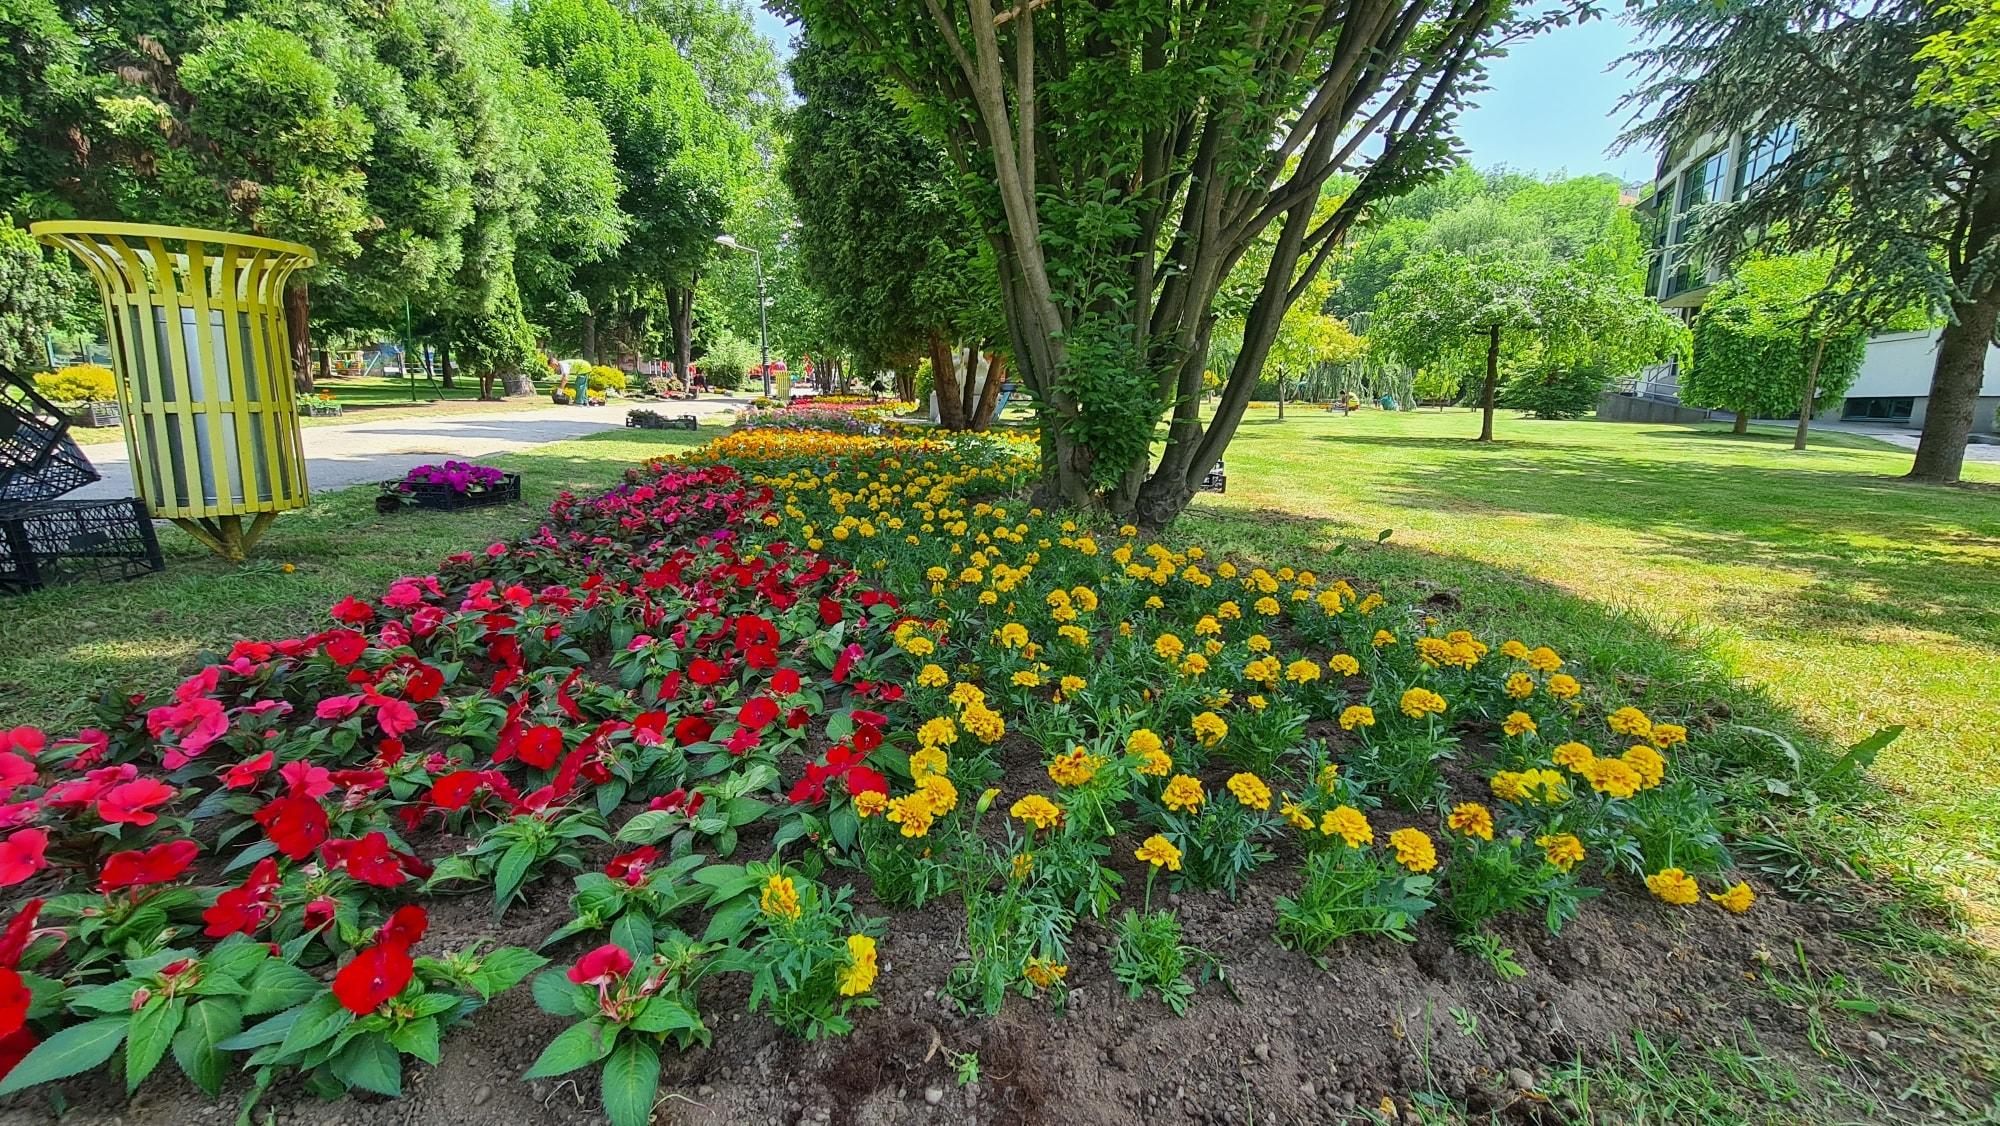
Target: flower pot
x=443 y=498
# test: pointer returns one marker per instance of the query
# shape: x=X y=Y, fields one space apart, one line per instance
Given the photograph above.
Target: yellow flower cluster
x=1209 y=728
x=1414 y=849
x=858 y=976
x=1160 y=853
x=1537 y=785
x=1036 y=810
x=1349 y=824
x=780 y=899
x=1074 y=767
x=1250 y=790
x=1472 y=819
x=1420 y=702
x=1183 y=792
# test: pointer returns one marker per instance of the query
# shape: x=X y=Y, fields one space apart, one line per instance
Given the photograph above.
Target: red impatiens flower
x=195 y=723
x=249 y=771
x=132 y=803
x=540 y=746
x=241 y=910
x=307 y=780
x=345 y=646
x=395 y=717
x=601 y=966
x=424 y=683
x=23 y=740
x=295 y=823
x=351 y=611
x=704 y=672
x=321 y=911
x=15 y=770
x=757 y=712
x=145 y=867
x=381 y=971
x=632 y=866
x=784 y=682
x=371 y=861
x=693 y=729
x=21 y=855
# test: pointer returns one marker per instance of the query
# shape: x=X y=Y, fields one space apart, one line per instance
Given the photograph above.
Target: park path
x=365 y=452
x=1906 y=437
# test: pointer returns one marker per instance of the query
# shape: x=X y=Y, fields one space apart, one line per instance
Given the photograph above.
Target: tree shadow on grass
x=1876 y=551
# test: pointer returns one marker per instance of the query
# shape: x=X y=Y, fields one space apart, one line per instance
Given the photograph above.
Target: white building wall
x=1900 y=363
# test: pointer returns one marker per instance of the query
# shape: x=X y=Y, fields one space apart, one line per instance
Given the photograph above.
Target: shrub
x=78 y=383
x=1751 y=354
x=608 y=378
x=1558 y=393
x=728 y=361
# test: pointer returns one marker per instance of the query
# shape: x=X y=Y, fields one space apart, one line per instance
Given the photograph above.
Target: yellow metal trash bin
x=196 y=323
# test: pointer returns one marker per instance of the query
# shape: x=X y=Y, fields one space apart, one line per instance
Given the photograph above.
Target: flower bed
x=731 y=708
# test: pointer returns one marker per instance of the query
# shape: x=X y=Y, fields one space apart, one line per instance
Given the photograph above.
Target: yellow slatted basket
x=196 y=322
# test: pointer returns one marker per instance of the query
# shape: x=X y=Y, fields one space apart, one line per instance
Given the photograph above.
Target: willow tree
x=1124 y=154
x=1895 y=162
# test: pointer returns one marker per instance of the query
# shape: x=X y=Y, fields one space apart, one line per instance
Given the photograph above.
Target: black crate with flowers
x=450 y=487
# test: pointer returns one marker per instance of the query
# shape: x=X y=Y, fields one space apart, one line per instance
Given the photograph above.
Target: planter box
x=1217 y=480
x=315 y=409
x=54 y=541
x=652 y=420
x=100 y=414
x=443 y=498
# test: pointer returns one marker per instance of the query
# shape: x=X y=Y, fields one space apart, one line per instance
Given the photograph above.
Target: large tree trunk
x=298 y=326
x=1491 y=389
x=1742 y=423
x=325 y=364
x=989 y=393
x=680 y=317
x=1954 y=394
x=944 y=384
x=1812 y=392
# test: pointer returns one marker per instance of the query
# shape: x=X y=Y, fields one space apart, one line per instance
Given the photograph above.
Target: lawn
x=59 y=648
x=1831 y=592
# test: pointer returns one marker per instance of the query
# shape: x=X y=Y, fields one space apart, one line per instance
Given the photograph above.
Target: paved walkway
x=1906 y=437
x=366 y=452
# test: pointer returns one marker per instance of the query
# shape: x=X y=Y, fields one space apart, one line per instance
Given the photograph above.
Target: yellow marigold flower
x=1514 y=649
x=1086 y=598
x=1647 y=763
x=1263 y=670
x=780 y=899
x=1349 y=824
x=1737 y=899
x=1295 y=813
x=988 y=598
x=1027 y=678
x=984 y=723
x=1563 y=686
x=1183 y=792
x=1302 y=671
x=1021 y=865
x=1209 y=729
x=937 y=574
x=1629 y=721
x=1329 y=601
x=1435 y=651
x=868 y=803
x=1575 y=756
x=929 y=760
x=1328 y=777
x=1544 y=659
x=1211 y=647
x=931 y=676
x=1071 y=685
x=1518 y=724
x=1382 y=639
x=1414 y=849
x=1153 y=602
x=1371 y=603
x=1613 y=777
x=1465 y=638
x=917 y=645
x=1520 y=685
x=1472 y=819
x=1344 y=665
x=1668 y=734
x=942 y=794
x=1420 y=702
x=1013 y=635
x=1672 y=885
x=1250 y=790
x=1160 y=853
x=1043 y=973
x=965 y=694
x=1075 y=635
x=1036 y=810
x=1563 y=849
x=938 y=731
x=1226 y=569
x=913 y=812
x=858 y=976
x=1356 y=715
x=1257 y=702
x=1207 y=626
x=1545 y=785
x=1229 y=611
x=1168 y=647
x=1258 y=643
x=1074 y=767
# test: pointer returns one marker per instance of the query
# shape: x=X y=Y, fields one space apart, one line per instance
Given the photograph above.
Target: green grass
x=60 y=647
x=1811 y=593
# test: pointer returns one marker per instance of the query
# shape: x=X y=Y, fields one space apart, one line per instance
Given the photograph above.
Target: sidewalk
x=366 y=452
x=1903 y=436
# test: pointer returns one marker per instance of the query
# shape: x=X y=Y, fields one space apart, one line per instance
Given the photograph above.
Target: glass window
x=1877 y=409
x=1764 y=154
x=1701 y=184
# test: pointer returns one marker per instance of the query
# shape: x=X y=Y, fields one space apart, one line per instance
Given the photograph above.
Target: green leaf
x=320 y=1019
x=1861 y=755
x=264 y=1033
x=742 y=811
x=631 y=1082
x=512 y=869
x=152 y=1031
x=418 y=1038
x=634 y=932
x=505 y=968
x=557 y=995
x=730 y=922
x=279 y=985
x=207 y=1024
x=75 y=1049
x=650 y=827
x=370 y=1063
x=578 y=1045
x=663 y=1014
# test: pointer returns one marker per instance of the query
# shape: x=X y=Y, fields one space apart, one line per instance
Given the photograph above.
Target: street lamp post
x=728 y=242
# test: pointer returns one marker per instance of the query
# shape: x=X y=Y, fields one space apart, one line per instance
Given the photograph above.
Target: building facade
x=1893 y=387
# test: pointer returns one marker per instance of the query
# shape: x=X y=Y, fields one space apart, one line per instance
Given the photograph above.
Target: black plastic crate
x=1217 y=480
x=653 y=420
x=443 y=498
x=38 y=458
x=57 y=541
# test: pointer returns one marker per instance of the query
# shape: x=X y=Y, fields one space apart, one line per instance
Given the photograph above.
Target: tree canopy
x=1894 y=164
x=1758 y=336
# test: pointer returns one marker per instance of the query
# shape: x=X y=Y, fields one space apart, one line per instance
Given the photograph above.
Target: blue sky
x=1549 y=108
